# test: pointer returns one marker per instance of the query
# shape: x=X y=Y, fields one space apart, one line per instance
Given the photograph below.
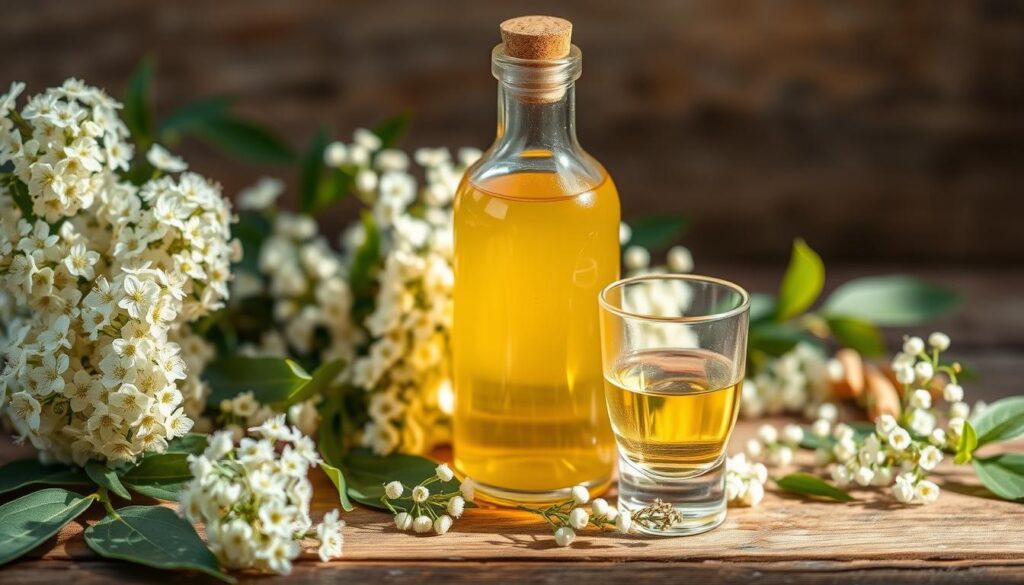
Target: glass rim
x=741 y=308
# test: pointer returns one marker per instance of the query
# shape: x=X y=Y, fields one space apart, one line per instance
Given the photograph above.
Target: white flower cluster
x=404 y=363
x=254 y=498
x=744 y=480
x=244 y=411
x=422 y=511
x=637 y=259
x=774 y=447
x=101 y=276
x=568 y=516
x=901 y=452
x=797 y=381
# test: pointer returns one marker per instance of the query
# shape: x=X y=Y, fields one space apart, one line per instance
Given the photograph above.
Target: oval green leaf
x=271 y=380
x=812 y=485
x=106 y=477
x=244 y=139
x=1002 y=474
x=802 y=282
x=18 y=474
x=967 y=444
x=30 y=520
x=1003 y=420
x=159 y=476
x=338 y=479
x=857 y=334
x=890 y=300
x=153 y=536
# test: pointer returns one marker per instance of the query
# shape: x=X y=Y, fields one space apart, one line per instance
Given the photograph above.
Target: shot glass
x=673 y=351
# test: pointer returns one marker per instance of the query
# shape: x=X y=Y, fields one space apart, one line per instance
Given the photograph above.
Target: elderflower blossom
x=900 y=451
x=424 y=511
x=101 y=278
x=567 y=517
x=254 y=499
x=772 y=447
x=744 y=480
x=797 y=381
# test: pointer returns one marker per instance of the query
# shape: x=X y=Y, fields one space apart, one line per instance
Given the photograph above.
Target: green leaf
x=190 y=444
x=138 y=103
x=968 y=443
x=391 y=130
x=776 y=339
x=655 y=232
x=244 y=139
x=23 y=472
x=1002 y=474
x=19 y=192
x=271 y=380
x=194 y=115
x=857 y=334
x=106 y=477
x=251 y=230
x=160 y=476
x=812 y=485
x=311 y=169
x=1003 y=420
x=890 y=301
x=362 y=271
x=802 y=282
x=330 y=434
x=32 y=519
x=153 y=536
x=323 y=377
x=366 y=474
x=338 y=479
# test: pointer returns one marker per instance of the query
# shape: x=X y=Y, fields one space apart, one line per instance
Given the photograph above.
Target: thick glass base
x=511 y=498
x=699 y=498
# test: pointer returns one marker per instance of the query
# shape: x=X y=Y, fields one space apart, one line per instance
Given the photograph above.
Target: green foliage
x=1002 y=474
x=106 y=478
x=890 y=301
x=390 y=131
x=811 y=485
x=1003 y=420
x=19 y=192
x=802 y=282
x=966 y=446
x=365 y=263
x=23 y=472
x=276 y=382
x=161 y=476
x=244 y=139
x=194 y=115
x=859 y=334
x=311 y=172
x=153 y=536
x=367 y=473
x=31 y=520
x=138 y=104
x=338 y=479
x=655 y=232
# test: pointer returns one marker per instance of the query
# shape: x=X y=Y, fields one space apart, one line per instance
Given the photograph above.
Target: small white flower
x=904 y=490
x=846 y=449
x=753 y=448
x=444 y=473
x=760 y=472
x=939 y=341
x=828 y=412
x=679 y=259
x=959 y=410
x=793 y=434
x=580 y=495
x=884 y=425
x=929 y=458
x=565 y=536
x=913 y=345
x=735 y=487
x=422 y=524
x=403 y=521
x=841 y=475
x=781 y=456
x=160 y=158
x=420 y=494
x=623 y=522
x=335 y=154
x=442 y=524
x=754 y=494
x=455 y=507
x=924 y=371
x=926 y=491
x=955 y=427
x=599 y=507
x=904 y=373
x=953 y=393
x=921 y=398
x=578 y=518
x=468 y=489
x=938 y=438
x=821 y=428
x=899 y=439
x=767 y=434
x=625 y=233
x=636 y=258
x=393 y=490
x=863 y=476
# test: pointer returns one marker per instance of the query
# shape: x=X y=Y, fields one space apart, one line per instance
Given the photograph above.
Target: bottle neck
x=528 y=122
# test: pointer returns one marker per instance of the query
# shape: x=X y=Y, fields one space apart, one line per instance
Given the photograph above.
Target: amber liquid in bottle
x=536 y=239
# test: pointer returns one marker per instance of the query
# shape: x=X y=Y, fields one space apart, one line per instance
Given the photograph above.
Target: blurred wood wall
x=877 y=130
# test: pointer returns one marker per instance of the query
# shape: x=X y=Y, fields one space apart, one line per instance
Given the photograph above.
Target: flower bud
x=393 y=490
x=564 y=536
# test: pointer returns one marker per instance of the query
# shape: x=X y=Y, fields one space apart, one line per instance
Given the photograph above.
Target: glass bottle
x=536 y=239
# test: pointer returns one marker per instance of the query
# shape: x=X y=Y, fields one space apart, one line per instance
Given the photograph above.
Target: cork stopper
x=536 y=37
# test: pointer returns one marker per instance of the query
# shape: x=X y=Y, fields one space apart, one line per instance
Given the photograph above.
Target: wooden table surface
x=966 y=536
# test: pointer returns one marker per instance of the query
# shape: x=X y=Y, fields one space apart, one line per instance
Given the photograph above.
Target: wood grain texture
x=874 y=129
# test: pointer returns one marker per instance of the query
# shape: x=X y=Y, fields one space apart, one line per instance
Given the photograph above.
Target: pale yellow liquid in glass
x=673 y=410
x=530 y=260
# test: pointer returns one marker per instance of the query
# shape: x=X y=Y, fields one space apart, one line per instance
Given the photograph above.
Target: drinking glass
x=673 y=351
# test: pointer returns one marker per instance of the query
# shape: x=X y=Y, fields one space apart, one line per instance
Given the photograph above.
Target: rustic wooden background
x=878 y=130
